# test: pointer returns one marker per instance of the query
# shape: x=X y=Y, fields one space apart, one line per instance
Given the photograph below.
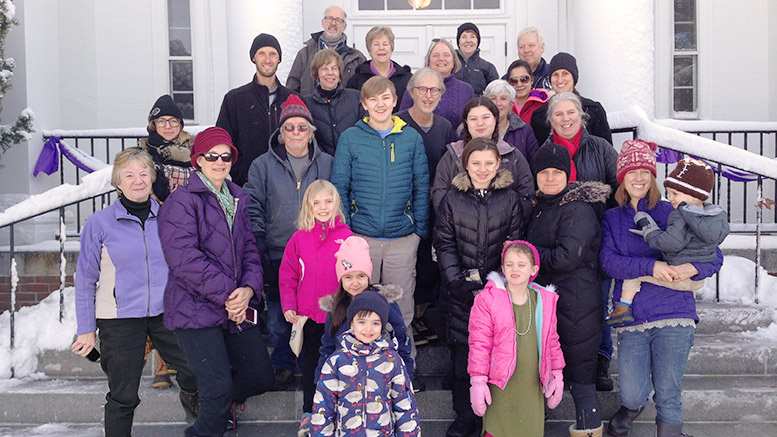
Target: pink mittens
x=555 y=389
x=479 y=394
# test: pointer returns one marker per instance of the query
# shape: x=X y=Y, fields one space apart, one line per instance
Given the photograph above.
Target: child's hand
x=555 y=389
x=291 y=316
x=479 y=394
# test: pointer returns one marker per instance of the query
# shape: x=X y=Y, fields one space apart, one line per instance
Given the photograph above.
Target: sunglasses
x=523 y=79
x=213 y=157
x=300 y=128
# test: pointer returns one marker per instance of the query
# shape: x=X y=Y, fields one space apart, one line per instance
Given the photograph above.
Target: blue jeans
x=229 y=368
x=278 y=329
x=605 y=347
x=660 y=355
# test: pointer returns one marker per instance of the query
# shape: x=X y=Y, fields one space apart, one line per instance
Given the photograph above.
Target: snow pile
x=53 y=430
x=112 y=133
x=737 y=283
x=691 y=144
x=768 y=333
x=37 y=329
x=91 y=185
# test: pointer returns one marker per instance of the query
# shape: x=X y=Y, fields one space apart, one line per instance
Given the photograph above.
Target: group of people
x=504 y=197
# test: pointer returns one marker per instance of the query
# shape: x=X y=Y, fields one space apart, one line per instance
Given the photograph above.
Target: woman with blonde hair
x=307 y=274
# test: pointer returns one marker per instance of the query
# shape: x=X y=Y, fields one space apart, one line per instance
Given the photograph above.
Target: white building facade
x=95 y=64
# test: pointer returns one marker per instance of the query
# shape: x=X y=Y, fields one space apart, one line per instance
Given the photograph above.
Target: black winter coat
x=597 y=124
x=566 y=232
x=400 y=78
x=250 y=119
x=476 y=71
x=468 y=235
x=332 y=117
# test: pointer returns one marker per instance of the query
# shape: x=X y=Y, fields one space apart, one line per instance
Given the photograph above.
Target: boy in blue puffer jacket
x=364 y=387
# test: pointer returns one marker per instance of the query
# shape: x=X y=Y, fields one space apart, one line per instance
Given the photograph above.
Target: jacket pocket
x=354 y=208
x=407 y=213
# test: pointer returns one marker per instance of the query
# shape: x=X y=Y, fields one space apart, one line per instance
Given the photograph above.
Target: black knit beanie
x=564 y=61
x=467 y=26
x=165 y=106
x=551 y=156
x=265 y=40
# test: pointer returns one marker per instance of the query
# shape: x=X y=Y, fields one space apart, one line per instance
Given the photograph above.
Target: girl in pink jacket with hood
x=512 y=333
x=307 y=273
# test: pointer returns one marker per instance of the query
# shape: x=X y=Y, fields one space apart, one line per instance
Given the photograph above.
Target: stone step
x=716 y=317
x=705 y=398
x=429 y=428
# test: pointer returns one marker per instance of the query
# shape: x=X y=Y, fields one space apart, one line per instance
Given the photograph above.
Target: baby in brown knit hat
x=693 y=232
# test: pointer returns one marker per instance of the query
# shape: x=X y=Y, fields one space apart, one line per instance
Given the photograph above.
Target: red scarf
x=571 y=147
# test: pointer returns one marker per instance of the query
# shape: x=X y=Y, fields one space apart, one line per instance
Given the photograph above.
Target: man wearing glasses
x=332 y=37
x=250 y=113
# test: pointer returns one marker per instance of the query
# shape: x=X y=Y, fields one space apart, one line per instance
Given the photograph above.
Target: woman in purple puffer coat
x=215 y=272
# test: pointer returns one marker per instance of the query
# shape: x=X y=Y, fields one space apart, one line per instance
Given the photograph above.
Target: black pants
x=230 y=368
x=311 y=343
x=461 y=403
x=123 y=344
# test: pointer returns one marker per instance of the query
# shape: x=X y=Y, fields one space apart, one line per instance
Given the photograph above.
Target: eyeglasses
x=173 y=122
x=213 y=157
x=523 y=79
x=423 y=90
x=300 y=128
x=339 y=21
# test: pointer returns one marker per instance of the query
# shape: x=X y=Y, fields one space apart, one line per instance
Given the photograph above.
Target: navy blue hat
x=370 y=301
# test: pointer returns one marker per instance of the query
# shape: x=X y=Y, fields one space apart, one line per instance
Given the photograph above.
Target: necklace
x=528 y=297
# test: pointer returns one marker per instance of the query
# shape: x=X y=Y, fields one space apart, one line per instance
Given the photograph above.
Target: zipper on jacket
x=354 y=208
x=231 y=239
x=148 y=273
x=407 y=213
x=392 y=151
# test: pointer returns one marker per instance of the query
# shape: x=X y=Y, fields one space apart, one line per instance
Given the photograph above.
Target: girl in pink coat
x=307 y=273
x=512 y=333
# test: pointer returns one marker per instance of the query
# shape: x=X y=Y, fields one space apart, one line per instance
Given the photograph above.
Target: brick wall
x=30 y=289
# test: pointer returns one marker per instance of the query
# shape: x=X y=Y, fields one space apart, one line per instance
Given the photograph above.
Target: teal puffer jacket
x=383 y=182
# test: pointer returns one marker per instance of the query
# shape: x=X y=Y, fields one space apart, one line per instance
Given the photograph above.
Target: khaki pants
x=684 y=285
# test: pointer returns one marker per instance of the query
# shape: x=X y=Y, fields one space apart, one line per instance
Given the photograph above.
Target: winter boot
x=464 y=426
x=190 y=402
x=621 y=316
x=621 y=421
x=667 y=430
x=603 y=380
x=595 y=432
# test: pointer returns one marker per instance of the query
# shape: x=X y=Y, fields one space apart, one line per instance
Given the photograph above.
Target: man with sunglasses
x=276 y=183
x=332 y=37
x=250 y=112
x=475 y=70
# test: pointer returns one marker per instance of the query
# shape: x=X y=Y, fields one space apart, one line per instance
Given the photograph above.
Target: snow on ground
x=737 y=283
x=37 y=328
x=52 y=430
x=762 y=334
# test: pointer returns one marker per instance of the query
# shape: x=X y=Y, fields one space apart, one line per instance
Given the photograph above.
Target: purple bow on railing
x=666 y=156
x=48 y=160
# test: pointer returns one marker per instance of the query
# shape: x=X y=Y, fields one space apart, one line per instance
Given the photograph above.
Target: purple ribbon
x=48 y=160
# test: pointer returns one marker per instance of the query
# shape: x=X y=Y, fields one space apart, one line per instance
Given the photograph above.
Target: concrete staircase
x=730 y=389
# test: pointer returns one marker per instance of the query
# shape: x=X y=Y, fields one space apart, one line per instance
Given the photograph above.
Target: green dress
x=519 y=409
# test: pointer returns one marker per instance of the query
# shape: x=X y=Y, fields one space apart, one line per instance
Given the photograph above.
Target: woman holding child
x=655 y=346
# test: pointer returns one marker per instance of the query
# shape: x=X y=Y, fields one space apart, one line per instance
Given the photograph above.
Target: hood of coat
x=349 y=343
x=391 y=292
x=498 y=280
x=588 y=192
x=503 y=179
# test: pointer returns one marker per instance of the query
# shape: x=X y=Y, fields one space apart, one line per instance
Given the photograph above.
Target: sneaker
x=161 y=380
x=418 y=384
x=621 y=316
x=283 y=379
x=304 y=425
x=190 y=402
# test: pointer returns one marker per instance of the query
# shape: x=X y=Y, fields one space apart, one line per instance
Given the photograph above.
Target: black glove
x=463 y=290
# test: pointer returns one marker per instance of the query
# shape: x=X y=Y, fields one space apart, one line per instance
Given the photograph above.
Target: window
x=396 y=5
x=180 y=56
x=685 y=60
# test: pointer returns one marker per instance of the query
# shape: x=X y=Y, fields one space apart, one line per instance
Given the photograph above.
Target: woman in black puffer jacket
x=565 y=229
x=474 y=219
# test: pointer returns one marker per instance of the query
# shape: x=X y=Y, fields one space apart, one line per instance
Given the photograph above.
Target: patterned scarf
x=226 y=200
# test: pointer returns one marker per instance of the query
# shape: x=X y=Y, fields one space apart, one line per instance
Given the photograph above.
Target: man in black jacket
x=250 y=113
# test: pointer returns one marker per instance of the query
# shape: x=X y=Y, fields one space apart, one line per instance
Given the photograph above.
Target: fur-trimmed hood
x=503 y=179
x=588 y=192
x=391 y=292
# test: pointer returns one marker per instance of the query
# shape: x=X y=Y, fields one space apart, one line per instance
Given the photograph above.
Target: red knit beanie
x=692 y=177
x=294 y=107
x=635 y=155
x=208 y=139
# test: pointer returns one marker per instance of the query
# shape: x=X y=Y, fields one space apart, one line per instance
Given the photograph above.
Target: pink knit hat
x=530 y=246
x=636 y=155
x=208 y=139
x=353 y=256
x=294 y=107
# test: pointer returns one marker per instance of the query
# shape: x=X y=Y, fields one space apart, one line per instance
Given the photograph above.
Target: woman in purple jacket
x=120 y=281
x=215 y=271
x=657 y=344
